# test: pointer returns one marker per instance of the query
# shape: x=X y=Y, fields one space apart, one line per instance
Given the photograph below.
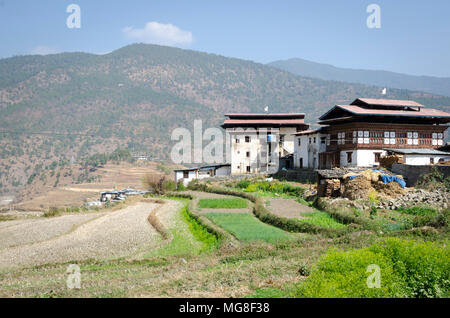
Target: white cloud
x=158 y=33
x=43 y=50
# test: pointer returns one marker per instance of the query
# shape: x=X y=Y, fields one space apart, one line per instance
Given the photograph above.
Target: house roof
x=265 y=119
x=386 y=102
x=204 y=167
x=267 y=115
x=347 y=112
x=420 y=151
x=423 y=112
x=307 y=132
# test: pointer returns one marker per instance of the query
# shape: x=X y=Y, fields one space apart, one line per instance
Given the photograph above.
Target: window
x=377 y=156
x=310 y=140
x=349 y=157
x=248 y=168
x=299 y=142
x=431 y=161
x=185 y=174
x=315 y=140
x=322 y=140
x=281 y=138
x=248 y=154
x=247 y=138
x=301 y=162
x=237 y=140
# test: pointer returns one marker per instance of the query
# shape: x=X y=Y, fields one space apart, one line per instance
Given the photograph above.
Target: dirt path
x=106 y=235
x=287 y=208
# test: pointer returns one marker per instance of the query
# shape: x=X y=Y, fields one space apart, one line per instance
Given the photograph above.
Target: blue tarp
x=353 y=177
x=378 y=170
x=388 y=178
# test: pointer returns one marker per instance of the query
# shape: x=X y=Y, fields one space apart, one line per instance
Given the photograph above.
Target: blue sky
x=414 y=37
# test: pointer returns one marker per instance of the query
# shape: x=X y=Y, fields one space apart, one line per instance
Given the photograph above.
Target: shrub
x=243 y=184
x=52 y=211
x=407 y=268
x=157 y=183
x=180 y=186
x=433 y=180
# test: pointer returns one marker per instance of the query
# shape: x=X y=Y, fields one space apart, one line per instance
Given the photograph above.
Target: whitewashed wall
x=423 y=160
x=179 y=176
x=308 y=151
x=360 y=158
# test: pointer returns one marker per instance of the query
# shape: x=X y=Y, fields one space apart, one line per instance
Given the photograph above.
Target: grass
x=6 y=218
x=321 y=219
x=245 y=227
x=188 y=236
x=418 y=210
x=209 y=240
x=234 y=203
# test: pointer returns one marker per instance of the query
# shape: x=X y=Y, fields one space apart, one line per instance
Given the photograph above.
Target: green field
x=322 y=219
x=247 y=228
x=233 y=203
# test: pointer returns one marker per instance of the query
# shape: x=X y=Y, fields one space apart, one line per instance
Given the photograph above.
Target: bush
x=157 y=183
x=243 y=184
x=52 y=211
x=433 y=180
x=407 y=268
x=180 y=186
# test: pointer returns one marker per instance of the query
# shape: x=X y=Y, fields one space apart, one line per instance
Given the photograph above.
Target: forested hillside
x=132 y=98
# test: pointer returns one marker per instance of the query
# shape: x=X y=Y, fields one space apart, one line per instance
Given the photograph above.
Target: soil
x=287 y=208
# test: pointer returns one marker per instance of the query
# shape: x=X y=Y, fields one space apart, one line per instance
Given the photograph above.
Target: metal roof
x=387 y=102
x=420 y=151
x=205 y=167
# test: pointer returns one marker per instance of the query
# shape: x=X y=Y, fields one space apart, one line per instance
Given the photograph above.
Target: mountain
x=435 y=85
x=60 y=109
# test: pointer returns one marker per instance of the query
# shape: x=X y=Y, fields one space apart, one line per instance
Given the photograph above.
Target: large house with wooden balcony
x=258 y=141
x=360 y=133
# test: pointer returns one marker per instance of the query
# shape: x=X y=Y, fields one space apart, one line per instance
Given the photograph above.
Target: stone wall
x=411 y=173
x=299 y=175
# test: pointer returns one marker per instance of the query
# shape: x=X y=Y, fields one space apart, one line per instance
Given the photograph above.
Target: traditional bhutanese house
x=307 y=146
x=259 y=140
x=189 y=174
x=360 y=133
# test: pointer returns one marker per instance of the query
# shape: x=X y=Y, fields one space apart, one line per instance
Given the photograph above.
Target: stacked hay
x=357 y=188
x=390 y=190
x=365 y=181
x=388 y=161
x=332 y=187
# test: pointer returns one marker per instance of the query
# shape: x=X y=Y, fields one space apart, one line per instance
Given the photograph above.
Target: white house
x=258 y=141
x=189 y=174
x=307 y=146
x=420 y=157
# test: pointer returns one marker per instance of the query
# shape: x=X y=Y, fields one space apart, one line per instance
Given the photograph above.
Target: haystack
x=390 y=190
x=357 y=188
x=388 y=161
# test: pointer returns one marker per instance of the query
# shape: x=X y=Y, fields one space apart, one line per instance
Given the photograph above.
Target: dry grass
x=157 y=225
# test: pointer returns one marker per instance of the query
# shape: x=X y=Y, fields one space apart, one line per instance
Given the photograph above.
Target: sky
x=413 y=36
